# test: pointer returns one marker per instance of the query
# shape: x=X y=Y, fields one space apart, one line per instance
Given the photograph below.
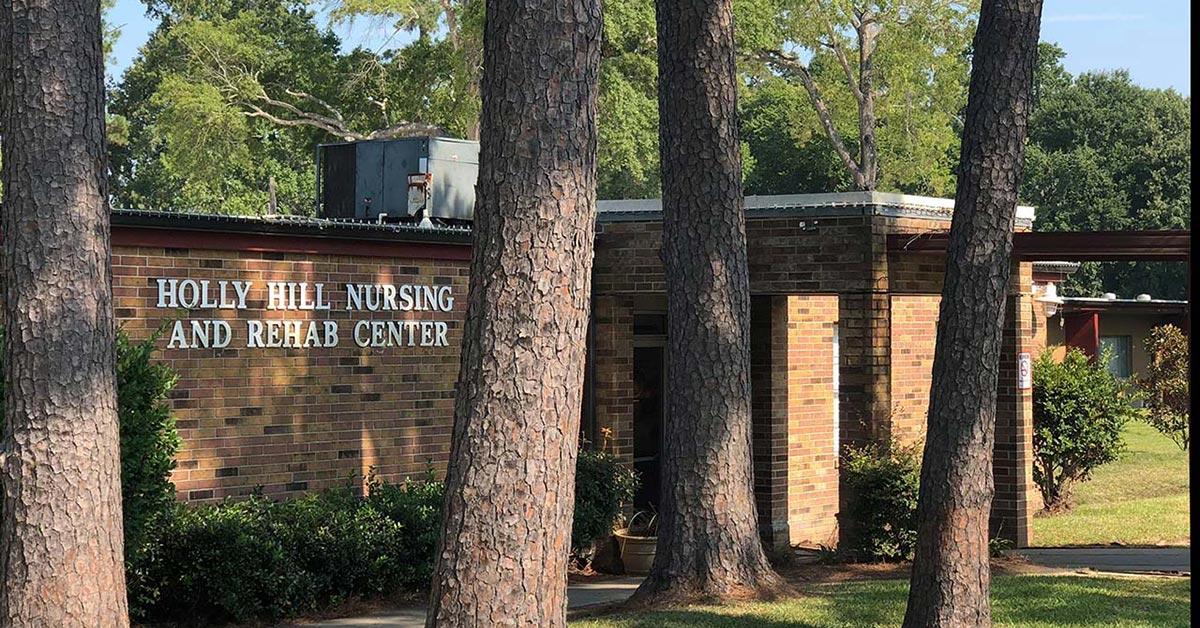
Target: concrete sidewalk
x=1115 y=559
x=578 y=596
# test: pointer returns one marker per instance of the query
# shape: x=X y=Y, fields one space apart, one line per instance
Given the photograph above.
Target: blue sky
x=1150 y=38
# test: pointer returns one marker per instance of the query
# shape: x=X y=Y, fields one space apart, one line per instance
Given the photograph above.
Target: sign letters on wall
x=216 y=333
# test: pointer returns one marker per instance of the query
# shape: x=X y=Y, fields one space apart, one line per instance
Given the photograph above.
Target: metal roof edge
x=1101 y=300
x=885 y=203
x=289 y=225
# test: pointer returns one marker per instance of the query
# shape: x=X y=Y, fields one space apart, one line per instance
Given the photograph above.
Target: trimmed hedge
x=266 y=560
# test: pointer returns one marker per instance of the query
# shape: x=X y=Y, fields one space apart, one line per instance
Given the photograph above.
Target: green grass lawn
x=1017 y=602
x=1141 y=499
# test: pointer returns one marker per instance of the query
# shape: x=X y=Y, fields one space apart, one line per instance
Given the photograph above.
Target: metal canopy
x=1069 y=246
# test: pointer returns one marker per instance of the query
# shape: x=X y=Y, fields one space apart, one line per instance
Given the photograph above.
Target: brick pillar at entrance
x=612 y=370
x=1016 y=497
x=795 y=450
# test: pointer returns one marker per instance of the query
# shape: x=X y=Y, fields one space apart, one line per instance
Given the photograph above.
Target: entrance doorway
x=649 y=408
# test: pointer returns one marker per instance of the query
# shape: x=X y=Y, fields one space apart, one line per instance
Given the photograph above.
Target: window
x=1119 y=356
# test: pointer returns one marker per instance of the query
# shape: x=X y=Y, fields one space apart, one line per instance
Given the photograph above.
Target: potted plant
x=637 y=541
x=603 y=484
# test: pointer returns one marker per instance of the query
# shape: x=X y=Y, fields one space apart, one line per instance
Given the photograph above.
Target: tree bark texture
x=868 y=150
x=708 y=540
x=510 y=481
x=61 y=544
x=950 y=577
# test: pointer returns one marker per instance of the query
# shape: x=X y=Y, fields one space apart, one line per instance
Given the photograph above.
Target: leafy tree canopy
x=230 y=95
x=891 y=74
x=1106 y=154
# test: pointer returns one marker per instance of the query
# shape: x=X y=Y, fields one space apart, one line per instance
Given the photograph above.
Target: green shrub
x=1079 y=410
x=883 y=483
x=212 y=564
x=149 y=440
x=1166 y=384
x=417 y=506
x=259 y=559
x=602 y=486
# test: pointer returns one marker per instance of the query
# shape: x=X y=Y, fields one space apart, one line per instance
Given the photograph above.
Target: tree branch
x=790 y=66
x=340 y=131
x=307 y=96
x=840 y=53
x=334 y=127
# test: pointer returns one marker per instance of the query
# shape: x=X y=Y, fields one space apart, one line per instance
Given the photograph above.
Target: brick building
x=311 y=352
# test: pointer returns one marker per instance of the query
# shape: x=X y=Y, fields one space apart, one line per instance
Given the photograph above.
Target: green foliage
x=997 y=547
x=264 y=560
x=148 y=440
x=228 y=94
x=790 y=153
x=627 y=118
x=193 y=108
x=602 y=486
x=1079 y=410
x=920 y=69
x=1141 y=499
x=884 y=484
x=1105 y=154
x=1166 y=385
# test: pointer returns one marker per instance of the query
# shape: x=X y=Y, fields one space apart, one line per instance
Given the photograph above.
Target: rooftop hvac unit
x=396 y=179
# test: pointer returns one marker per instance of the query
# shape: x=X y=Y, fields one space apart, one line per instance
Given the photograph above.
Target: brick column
x=812 y=459
x=612 y=347
x=768 y=398
x=612 y=355
x=1016 y=497
x=795 y=463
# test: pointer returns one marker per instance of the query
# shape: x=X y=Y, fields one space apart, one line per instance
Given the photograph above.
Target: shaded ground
x=1019 y=601
x=1141 y=499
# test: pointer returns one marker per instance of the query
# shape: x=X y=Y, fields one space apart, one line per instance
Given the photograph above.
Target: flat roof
x=804 y=205
x=1124 y=306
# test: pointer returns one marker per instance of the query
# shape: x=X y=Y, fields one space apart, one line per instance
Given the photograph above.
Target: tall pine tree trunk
x=61 y=545
x=708 y=540
x=510 y=484
x=950 y=577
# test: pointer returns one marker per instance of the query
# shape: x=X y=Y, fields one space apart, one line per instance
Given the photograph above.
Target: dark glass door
x=649 y=379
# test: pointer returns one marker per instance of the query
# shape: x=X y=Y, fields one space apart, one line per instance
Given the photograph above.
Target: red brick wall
x=812 y=458
x=914 y=330
x=786 y=256
x=297 y=419
x=612 y=372
x=792 y=378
